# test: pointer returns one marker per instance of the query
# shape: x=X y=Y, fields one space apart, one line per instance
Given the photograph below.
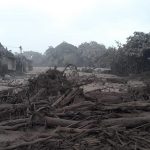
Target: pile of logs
x=54 y=114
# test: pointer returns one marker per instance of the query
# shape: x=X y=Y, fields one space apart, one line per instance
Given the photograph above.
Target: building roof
x=5 y=52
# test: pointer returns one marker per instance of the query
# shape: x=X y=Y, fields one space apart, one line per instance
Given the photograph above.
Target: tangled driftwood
x=52 y=113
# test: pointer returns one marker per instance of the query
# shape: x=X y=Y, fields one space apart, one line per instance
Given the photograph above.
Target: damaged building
x=7 y=61
x=10 y=63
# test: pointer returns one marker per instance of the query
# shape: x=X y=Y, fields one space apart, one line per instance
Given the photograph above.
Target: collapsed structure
x=12 y=63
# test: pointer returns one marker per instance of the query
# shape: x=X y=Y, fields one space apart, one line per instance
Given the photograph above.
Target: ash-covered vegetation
x=85 y=54
x=131 y=57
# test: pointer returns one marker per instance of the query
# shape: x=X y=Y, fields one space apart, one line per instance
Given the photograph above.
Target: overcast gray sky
x=37 y=24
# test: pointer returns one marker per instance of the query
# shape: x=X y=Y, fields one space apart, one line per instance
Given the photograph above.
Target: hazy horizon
x=38 y=24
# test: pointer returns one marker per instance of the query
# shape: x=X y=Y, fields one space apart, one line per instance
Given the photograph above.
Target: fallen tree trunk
x=12 y=106
x=37 y=95
x=77 y=130
x=15 y=127
x=56 y=103
x=64 y=100
x=8 y=111
x=135 y=105
x=14 y=122
x=75 y=106
x=70 y=130
x=30 y=143
x=59 y=122
x=126 y=122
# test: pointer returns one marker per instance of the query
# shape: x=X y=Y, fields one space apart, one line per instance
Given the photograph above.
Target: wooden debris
x=72 y=120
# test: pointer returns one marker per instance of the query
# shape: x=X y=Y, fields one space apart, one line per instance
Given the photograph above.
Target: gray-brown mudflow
x=94 y=113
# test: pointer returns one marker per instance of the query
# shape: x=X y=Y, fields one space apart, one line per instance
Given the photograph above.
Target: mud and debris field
x=51 y=111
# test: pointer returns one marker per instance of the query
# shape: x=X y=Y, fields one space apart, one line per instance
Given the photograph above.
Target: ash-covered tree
x=91 y=52
x=129 y=58
x=62 y=55
x=37 y=58
x=107 y=58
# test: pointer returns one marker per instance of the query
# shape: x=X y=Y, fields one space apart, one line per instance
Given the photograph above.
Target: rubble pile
x=55 y=114
x=53 y=82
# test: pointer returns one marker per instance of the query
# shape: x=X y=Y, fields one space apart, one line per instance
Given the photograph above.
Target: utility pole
x=21 y=58
x=20 y=47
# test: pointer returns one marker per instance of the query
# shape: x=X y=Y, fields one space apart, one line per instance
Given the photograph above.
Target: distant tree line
x=131 y=57
x=86 y=54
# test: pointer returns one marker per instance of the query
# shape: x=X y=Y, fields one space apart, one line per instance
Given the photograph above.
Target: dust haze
x=74 y=75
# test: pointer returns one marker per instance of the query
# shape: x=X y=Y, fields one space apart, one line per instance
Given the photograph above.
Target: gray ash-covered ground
x=51 y=113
